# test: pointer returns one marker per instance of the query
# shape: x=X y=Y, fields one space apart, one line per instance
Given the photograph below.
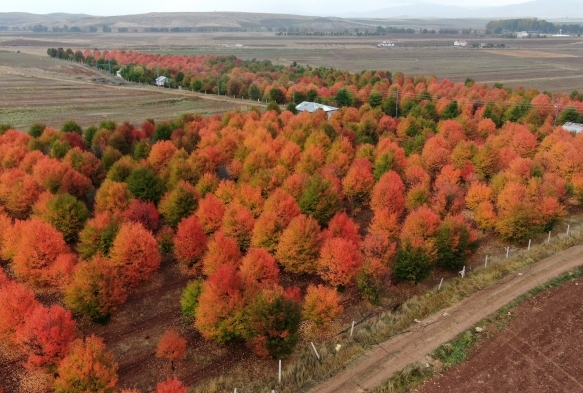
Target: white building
x=386 y=44
x=573 y=127
x=522 y=34
x=461 y=44
x=314 y=106
x=118 y=74
x=161 y=81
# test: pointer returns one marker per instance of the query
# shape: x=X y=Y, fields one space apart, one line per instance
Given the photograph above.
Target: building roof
x=161 y=78
x=573 y=127
x=313 y=107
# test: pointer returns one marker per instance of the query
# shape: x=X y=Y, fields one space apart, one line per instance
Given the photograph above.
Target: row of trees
x=534 y=25
x=395 y=94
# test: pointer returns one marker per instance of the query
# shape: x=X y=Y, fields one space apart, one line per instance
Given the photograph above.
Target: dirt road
x=379 y=364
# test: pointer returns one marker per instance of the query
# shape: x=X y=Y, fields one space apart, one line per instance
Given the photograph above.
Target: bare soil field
x=530 y=54
x=538 y=351
x=414 y=344
x=51 y=91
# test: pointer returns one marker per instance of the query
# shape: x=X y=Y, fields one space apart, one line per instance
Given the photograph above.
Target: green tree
x=71 y=126
x=568 y=115
x=272 y=106
x=67 y=214
x=389 y=106
x=320 y=200
x=344 y=97
x=162 y=132
x=189 y=298
x=375 y=99
x=144 y=184
x=254 y=92
x=455 y=243
x=36 y=130
x=273 y=320
x=275 y=94
x=451 y=111
x=292 y=108
x=412 y=264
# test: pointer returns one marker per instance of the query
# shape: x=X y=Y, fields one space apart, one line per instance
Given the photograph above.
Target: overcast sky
x=311 y=7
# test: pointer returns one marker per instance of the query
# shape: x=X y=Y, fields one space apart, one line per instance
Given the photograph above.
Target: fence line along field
x=40 y=89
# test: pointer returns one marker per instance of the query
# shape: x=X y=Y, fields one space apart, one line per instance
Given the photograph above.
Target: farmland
x=552 y=64
x=536 y=350
x=42 y=89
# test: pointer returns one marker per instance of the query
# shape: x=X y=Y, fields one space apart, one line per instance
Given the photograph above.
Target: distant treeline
x=534 y=25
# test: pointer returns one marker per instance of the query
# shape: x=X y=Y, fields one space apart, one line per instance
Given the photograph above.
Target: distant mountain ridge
x=544 y=9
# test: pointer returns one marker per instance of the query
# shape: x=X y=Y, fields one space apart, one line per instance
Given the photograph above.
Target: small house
x=573 y=127
x=460 y=44
x=522 y=34
x=162 y=81
x=386 y=44
x=312 y=107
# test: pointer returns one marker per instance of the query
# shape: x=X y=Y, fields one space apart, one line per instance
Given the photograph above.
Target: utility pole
x=556 y=114
x=397 y=106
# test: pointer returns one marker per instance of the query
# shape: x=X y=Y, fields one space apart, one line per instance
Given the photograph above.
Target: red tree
x=222 y=250
x=172 y=346
x=96 y=289
x=342 y=226
x=220 y=306
x=38 y=249
x=47 y=336
x=281 y=203
x=299 y=245
x=322 y=305
x=238 y=223
x=259 y=269
x=143 y=212
x=17 y=303
x=171 y=386
x=88 y=367
x=389 y=193
x=190 y=245
x=135 y=253
x=18 y=192
x=420 y=228
x=210 y=213
x=339 y=261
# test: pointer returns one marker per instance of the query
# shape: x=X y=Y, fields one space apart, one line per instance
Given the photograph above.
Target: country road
x=371 y=369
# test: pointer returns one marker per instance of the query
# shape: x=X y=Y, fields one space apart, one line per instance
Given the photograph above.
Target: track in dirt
x=538 y=350
x=393 y=355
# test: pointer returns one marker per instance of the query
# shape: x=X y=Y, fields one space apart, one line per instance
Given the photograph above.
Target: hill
x=195 y=20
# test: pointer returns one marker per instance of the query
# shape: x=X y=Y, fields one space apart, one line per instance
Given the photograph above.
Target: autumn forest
x=410 y=175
